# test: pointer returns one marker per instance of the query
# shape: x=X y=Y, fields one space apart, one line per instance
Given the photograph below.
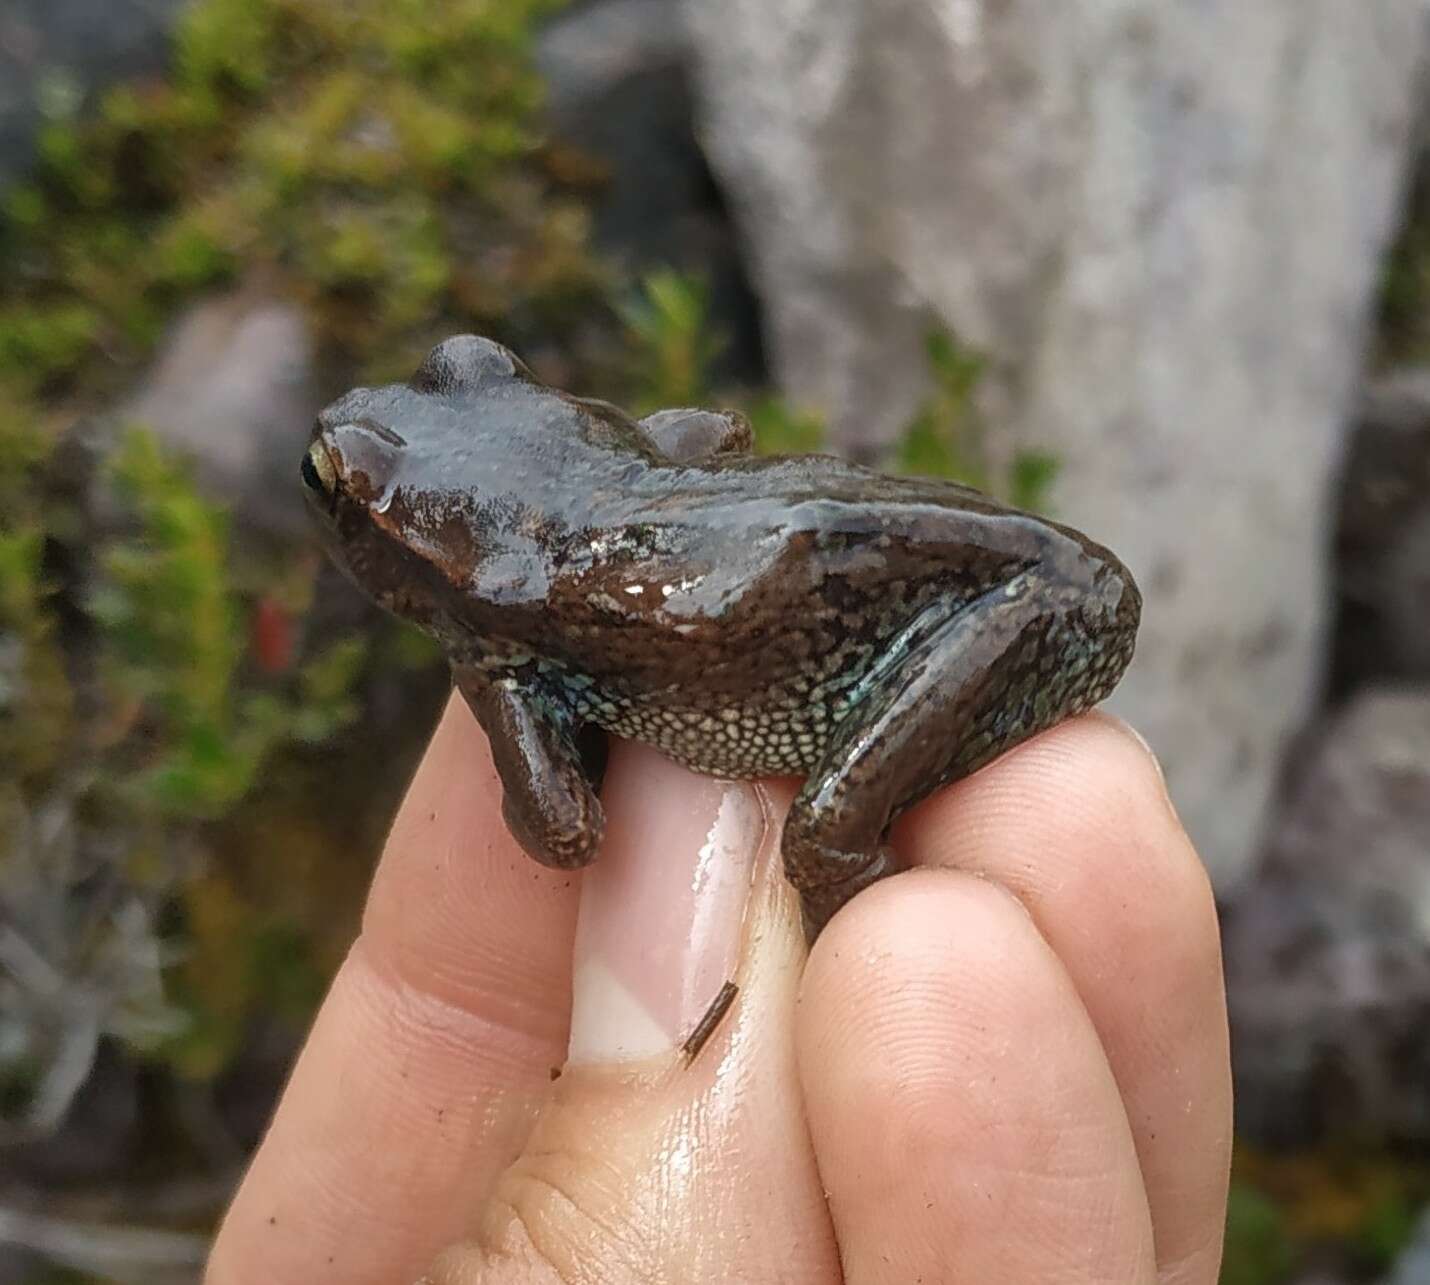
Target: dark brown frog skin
x=746 y=616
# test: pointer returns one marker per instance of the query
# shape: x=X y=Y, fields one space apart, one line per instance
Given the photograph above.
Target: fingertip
x=1084 y=800
x=1077 y=824
x=957 y=1094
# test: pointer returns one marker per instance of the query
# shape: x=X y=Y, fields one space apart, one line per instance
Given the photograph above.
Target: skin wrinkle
x=620 y=1141
x=330 y=1206
x=524 y=1208
x=435 y=951
x=420 y=1023
x=494 y=1008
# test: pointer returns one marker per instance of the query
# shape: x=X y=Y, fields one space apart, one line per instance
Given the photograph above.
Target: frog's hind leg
x=689 y=436
x=987 y=677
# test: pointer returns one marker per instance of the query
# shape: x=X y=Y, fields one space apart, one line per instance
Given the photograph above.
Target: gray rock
x=54 y=53
x=1413 y=1265
x=616 y=89
x=592 y=50
x=1383 y=541
x=617 y=75
x=232 y=389
x=1162 y=223
x=1328 y=948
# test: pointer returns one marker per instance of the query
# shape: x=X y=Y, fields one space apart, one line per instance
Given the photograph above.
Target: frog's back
x=778 y=594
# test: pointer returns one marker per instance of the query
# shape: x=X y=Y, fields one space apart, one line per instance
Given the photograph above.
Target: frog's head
x=404 y=479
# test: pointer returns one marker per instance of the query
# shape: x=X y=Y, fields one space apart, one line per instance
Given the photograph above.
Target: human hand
x=1007 y=1065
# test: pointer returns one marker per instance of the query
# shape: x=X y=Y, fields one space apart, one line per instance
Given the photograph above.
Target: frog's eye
x=467 y=362
x=318 y=473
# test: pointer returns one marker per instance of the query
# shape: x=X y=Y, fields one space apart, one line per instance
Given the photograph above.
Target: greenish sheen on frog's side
x=747 y=616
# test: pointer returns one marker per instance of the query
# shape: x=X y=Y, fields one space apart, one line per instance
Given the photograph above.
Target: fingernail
x=663 y=907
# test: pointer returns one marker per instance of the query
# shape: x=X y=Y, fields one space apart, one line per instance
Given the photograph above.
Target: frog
x=590 y=574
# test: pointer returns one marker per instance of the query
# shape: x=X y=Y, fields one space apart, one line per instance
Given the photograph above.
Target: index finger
x=432 y=1051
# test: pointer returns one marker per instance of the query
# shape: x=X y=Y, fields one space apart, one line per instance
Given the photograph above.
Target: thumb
x=648 y=1164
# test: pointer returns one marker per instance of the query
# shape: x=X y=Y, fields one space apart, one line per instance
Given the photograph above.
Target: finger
x=965 y=1119
x=1078 y=826
x=648 y=1165
x=431 y=1053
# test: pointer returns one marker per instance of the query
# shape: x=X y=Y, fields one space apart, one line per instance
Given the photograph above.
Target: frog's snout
x=1127 y=612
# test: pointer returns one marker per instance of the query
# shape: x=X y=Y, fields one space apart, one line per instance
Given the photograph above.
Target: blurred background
x=1161 y=271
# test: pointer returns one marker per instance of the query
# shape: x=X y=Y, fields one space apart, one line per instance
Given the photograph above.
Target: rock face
x=1162 y=225
x=617 y=76
x=1413 y=1265
x=1383 y=541
x=232 y=389
x=1328 y=949
x=52 y=52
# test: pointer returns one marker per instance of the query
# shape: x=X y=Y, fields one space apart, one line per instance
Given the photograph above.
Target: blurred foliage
x=672 y=344
x=172 y=647
x=378 y=159
x=1403 y=323
x=782 y=429
x=949 y=438
x=1258 y=1249
x=674 y=349
x=378 y=162
x=131 y=712
x=1359 y=1209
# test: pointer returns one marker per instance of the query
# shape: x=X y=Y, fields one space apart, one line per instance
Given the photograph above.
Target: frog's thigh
x=688 y=436
x=548 y=801
x=966 y=692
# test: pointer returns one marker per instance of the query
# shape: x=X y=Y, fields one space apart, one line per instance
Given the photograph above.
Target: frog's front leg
x=548 y=798
x=971 y=685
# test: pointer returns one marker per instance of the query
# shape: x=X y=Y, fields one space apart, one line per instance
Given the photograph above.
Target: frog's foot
x=548 y=793
x=828 y=870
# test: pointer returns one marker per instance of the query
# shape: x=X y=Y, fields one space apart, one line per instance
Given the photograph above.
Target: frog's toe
x=467 y=362
x=819 y=903
x=564 y=839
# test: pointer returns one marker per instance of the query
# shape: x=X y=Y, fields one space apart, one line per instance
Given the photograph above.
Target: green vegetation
x=949 y=438
x=1258 y=1248
x=378 y=160
x=672 y=345
x=675 y=349
x=131 y=712
x=1403 y=323
x=1358 y=1208
x=172 y=647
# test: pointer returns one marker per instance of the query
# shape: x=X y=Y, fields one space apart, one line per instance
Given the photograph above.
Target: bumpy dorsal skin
x=748 y=616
